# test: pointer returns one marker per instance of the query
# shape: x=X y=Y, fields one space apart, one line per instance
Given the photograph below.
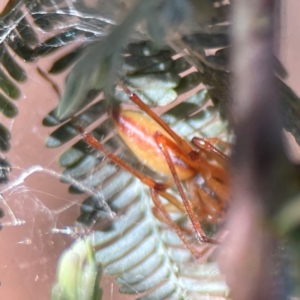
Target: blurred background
x=30 y=248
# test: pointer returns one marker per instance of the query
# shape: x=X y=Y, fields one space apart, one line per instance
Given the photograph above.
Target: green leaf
x=78 y=274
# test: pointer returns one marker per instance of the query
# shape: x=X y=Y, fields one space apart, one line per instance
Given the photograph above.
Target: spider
x=199 y=164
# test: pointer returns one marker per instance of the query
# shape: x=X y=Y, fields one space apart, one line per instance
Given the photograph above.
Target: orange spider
x=201 y=165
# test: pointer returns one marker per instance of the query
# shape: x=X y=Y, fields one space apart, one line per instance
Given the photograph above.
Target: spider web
x=36 y=205
x=40 y=212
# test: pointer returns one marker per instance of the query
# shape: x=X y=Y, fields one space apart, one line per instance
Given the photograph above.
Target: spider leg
x=142 y=177
x=207 y=145
x=155 y=188
x=159 y=216
x=160 y=207
x=173 y=200
x=161 y=141
x=136 y=99
x=213 y=210
x=221 y=190
x=207 y=208
x=216 y=141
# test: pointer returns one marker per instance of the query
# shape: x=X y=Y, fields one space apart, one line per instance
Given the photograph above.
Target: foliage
x=144 y=255
x=78 y=274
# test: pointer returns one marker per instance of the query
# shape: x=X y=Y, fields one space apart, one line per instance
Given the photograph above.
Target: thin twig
x=259 y=159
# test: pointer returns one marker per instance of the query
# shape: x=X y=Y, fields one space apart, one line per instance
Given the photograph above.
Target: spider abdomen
x=138 y=132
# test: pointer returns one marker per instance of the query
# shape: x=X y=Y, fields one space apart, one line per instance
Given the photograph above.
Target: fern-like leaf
x=145 y=255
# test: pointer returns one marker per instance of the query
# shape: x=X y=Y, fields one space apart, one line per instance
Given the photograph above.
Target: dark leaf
x=8 y=108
